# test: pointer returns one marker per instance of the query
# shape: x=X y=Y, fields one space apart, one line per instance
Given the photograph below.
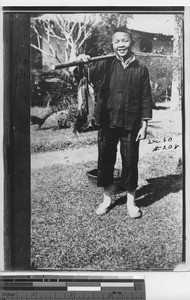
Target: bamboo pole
x=80 y=62
x=98 y=58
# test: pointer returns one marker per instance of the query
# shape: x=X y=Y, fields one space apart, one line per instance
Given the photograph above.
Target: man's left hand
x=141 y=134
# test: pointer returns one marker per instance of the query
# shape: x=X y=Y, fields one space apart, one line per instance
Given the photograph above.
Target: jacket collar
x=127 y=62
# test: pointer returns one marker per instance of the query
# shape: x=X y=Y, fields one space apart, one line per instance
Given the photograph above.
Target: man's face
x=121 y=43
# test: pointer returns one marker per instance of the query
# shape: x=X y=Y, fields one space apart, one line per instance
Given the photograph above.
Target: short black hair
x=125 y=30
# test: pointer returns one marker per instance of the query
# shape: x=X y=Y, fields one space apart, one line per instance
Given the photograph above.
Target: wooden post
x=176 y=96
x=1 y=153
x=17 y=207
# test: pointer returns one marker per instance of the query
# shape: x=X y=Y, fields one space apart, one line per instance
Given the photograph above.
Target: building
x=153 y=42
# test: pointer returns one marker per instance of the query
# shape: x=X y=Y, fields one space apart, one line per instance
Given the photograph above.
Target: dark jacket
x=138 y=100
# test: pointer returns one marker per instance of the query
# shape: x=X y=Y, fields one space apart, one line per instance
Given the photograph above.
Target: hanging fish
x=91 y=103
x=86 y=102
x=81 y=95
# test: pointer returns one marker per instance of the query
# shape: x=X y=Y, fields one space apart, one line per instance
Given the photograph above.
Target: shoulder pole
x=97 y=58
x=80 y=62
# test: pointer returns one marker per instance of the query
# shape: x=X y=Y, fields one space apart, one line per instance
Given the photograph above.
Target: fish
x=86 y=101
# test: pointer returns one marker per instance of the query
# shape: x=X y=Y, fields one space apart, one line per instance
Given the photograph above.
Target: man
x=122 y=112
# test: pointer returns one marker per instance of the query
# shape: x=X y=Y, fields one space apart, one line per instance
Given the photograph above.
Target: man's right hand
x=83 y=57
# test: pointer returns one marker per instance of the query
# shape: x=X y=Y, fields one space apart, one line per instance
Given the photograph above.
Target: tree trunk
x=72 y=55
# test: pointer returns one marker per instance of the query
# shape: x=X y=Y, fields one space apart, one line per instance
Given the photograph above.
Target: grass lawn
x=164 y=123
x=48 y=139
x=67 y=234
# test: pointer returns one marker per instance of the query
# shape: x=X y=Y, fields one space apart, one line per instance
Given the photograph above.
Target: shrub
x=160 y=70
x=58 y=84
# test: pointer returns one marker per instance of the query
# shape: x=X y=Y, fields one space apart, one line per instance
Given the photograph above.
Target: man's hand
x=142 y=132
x=83 y=57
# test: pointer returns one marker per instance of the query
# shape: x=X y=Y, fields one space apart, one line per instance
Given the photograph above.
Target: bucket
x=117 y=188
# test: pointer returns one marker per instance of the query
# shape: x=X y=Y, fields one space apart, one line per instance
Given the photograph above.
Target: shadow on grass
x=153 y=122
x=155 y=190
x=160 y=107
x=47 y=128
x=42 y=128
x=154 y=126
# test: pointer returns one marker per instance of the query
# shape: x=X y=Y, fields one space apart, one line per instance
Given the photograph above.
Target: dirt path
x=70 y=156
x=90 y=153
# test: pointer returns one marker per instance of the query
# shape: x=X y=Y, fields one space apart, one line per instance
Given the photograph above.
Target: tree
x=99 y=42
x=80 y=32
x=73 y=29
x=176 y=93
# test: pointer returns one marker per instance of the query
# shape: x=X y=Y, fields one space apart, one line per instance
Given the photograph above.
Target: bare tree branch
x=34 y=28
x=38 y=39
x=34 y=46
x=79 y=33
x=45 y=40
x=47 y=32
x=58 y=59
x=72 y=29
x=56 y=36
x=51 y=48
x=84 y=39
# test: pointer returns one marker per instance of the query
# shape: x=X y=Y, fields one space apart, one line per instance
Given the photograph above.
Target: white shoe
x=134 y=212
x=102 y=209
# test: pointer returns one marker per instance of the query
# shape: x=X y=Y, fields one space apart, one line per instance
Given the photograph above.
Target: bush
x=58 y=85
x=160 y=70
